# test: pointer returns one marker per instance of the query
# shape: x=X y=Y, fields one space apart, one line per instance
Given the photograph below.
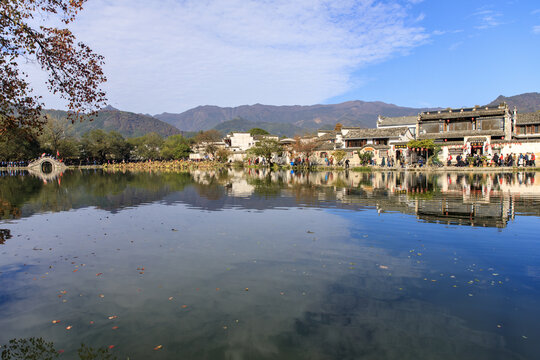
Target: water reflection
x=476 y=199
x=273 y=265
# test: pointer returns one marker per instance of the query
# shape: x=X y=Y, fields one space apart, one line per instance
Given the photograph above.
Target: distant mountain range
x=126 y=123
x=279 y=120
x=528 y=102
x=351 y=113
x=239 y=124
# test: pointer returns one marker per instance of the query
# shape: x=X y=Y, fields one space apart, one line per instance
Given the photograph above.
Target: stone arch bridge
x=37 y=165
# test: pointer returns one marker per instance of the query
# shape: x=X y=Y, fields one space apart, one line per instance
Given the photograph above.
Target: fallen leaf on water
x=247 y=289
x=111 y=346
x=98 y=274
x=55 y=321
x=171 y=298
x=217 y=289
x=158 y=347
x=91 y=323
x=113 y=317
x=69 y=327
x=75 y=270
x=61 y=351
x=184 y=306
x=115 y=327
x=383 y=267
x=101 y=295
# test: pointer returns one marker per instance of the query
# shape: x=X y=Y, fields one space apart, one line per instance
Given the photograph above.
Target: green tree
x=208 y=136
x=94 y=145
x=365 y=157
x=339 y=155
x=211 y=149
x=265 y=149
x=117 y=147
x=54 y=132
x=147 y=147
x=17 y=144
x=69 y=148
x=75 y=71
x=222 y=155
x=258 y=131
x=175 y=147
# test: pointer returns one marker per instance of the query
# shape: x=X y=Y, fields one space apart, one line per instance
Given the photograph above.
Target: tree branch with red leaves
x=75 y=71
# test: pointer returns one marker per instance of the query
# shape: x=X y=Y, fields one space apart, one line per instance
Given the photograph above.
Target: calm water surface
x=256 y=265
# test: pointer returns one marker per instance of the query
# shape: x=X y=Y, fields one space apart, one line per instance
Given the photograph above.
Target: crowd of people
x=510 y=160
x=13 y=164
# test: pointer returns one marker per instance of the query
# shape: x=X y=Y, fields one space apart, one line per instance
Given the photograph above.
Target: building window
x=356 y=143
x=536 y=129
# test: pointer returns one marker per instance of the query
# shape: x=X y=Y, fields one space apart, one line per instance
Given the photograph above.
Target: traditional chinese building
x=468 y=130
x=383 y=143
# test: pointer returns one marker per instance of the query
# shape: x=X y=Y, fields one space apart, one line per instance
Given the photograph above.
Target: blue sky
x=476 y=51
x=172 y=55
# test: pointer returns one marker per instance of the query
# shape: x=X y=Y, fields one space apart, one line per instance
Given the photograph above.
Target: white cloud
x=172 y=55
x=536 y=29
x=455 y=45
x=488 y=19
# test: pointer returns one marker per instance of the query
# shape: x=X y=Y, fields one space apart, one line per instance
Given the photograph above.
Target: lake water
x=248 y=264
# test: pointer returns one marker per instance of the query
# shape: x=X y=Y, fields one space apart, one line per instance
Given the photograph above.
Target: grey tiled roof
x=528 y=118
x=329 y=136
x=400 y=120
x=325 y=146
x=375 y=133
x=457 y=134
x=457 y=113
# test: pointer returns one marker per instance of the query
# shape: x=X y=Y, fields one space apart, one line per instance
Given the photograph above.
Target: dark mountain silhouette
x=351 y=113
x=527 y=102
x=126 y=123
x=239 y=124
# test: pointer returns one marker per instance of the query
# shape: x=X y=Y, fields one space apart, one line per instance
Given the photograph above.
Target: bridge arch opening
x=46 y=167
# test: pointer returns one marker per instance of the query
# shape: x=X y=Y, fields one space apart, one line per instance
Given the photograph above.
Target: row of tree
x=94 y=146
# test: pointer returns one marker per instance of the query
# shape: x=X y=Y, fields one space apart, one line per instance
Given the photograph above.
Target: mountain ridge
x=126 y=123
x=350 y=113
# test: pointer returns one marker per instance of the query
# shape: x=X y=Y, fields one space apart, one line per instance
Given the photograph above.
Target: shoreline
x=216 y=166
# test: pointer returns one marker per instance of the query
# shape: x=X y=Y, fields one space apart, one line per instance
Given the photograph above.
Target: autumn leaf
x=158 y=347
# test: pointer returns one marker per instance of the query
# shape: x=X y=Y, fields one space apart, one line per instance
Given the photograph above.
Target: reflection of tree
x=39 y=349
x=266 y=186
x=79 y=189
x=211 y=186
x=5 y=234
x=14 y=192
